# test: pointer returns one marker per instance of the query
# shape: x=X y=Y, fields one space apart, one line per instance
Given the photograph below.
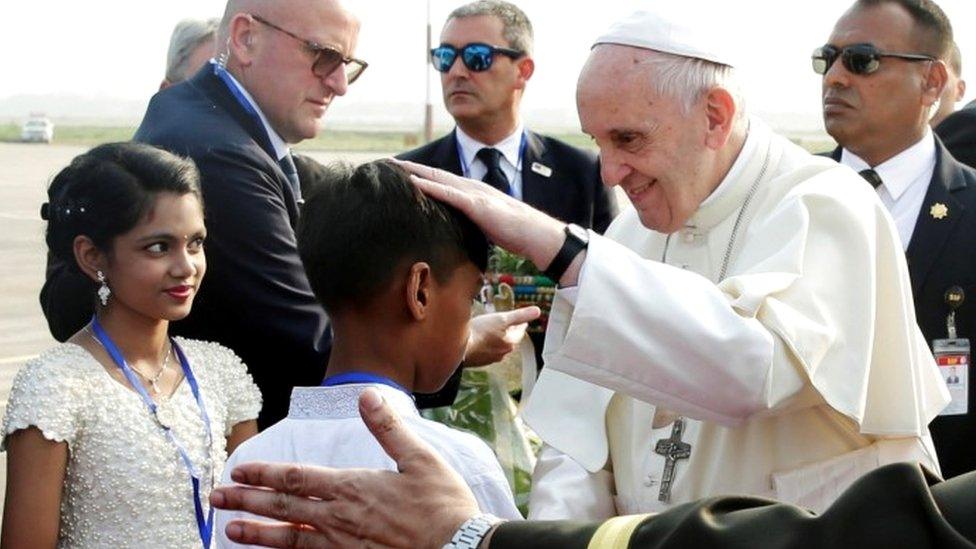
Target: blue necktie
x=291 y=172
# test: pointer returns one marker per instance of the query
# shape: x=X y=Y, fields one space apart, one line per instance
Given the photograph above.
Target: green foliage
x=504 y=261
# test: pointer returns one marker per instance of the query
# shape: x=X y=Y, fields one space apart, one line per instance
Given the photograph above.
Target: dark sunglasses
x=858 y=58
x=326 y=58
x=476 y=56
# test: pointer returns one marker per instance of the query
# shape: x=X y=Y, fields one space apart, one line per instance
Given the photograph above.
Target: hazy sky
x=117 y=48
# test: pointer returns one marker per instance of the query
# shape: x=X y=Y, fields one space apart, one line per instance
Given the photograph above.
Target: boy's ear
x=418 y=290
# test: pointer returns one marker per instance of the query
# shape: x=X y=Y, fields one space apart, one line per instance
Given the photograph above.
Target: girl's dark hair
x=106 y=191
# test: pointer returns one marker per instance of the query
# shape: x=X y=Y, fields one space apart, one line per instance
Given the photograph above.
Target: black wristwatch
x=577 y=239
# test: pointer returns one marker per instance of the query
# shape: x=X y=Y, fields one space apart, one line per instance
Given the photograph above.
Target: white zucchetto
x=670 y=29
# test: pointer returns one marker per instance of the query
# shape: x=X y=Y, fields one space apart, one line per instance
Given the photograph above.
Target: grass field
x=334 y=140
x=328 y=140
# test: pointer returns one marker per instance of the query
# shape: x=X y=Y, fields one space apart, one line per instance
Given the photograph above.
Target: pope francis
x=746 y=327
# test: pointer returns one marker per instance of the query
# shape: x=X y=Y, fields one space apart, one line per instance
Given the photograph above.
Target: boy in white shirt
x=397 y=272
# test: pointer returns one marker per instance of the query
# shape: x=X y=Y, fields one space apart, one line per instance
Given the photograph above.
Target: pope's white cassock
x=778 y=323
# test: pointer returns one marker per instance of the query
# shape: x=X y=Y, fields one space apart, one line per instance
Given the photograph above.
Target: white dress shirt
x=511 y=161
x=323 y=428
x=905 y=179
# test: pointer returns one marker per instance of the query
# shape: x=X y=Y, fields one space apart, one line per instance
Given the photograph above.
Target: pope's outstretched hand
x=421 y=505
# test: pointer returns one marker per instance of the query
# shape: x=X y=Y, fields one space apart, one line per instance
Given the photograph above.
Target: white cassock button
x=650 y=481
x=688 y=237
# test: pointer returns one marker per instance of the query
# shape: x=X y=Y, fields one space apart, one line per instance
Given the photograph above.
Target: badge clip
x=541 y=169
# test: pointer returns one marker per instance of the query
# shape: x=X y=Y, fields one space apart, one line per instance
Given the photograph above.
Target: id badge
x=952 y=356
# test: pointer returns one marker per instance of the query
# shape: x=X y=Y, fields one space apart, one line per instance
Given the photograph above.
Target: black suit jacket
x=255 y=298
x=958 y=133
x=573 y=193
x=898 y=506
x=942 y=254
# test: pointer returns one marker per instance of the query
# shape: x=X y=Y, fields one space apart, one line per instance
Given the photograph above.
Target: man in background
x=236 y=119
x=955 y=87
x=192 y=44
x=882 y=75
x=957 y=129
x=485 y=61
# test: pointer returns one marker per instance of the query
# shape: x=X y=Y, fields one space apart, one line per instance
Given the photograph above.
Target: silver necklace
x=153 y=380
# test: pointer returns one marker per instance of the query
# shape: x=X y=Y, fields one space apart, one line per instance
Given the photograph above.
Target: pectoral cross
x=672 y=449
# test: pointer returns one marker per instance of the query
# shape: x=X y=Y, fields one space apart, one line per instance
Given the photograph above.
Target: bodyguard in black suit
x=256 y=299
x=877 y=108
x=958 y=133
x=485 y=61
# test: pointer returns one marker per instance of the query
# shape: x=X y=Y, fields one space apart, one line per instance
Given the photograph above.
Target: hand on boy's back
x=494 y=335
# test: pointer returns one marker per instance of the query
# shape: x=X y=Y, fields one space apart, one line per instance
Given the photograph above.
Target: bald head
x=276 y=8
x=271 y=48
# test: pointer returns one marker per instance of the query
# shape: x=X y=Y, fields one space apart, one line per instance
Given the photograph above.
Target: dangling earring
x=103 y=290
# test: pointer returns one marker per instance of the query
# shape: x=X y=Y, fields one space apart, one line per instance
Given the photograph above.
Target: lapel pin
x=541 y=169
x=939 y=210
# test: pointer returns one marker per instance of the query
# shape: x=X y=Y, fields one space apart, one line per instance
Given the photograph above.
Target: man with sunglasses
x=280 y=65
x=883 y=73
x=485 y=61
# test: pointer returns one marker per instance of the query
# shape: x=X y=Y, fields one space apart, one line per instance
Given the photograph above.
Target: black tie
x=288 y=166
x=871 y=177
x=494 y=176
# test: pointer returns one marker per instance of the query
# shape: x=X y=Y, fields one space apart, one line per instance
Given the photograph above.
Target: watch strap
x=572 y=246
x=472 y=532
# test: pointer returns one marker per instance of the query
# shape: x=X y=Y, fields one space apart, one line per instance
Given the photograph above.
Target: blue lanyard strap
x=222 y=74
x=466 y=169
x=236 y=92
x=347 y=378
x=204 y=525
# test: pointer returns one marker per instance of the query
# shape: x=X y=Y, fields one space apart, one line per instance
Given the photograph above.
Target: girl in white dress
x=115 y=437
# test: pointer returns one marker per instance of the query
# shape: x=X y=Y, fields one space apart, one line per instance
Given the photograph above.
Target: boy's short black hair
x=365 y=224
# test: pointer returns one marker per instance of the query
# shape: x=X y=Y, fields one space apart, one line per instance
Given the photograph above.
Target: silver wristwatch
x=472 y=532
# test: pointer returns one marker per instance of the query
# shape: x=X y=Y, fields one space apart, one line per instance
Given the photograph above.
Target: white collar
x=747 y=152
x=902 y=170
x=280 y=147
x=509 y=147
x=342 y=401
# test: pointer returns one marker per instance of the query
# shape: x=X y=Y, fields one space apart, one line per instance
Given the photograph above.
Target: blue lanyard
x=362 y=377
x=221 y=73
x=236 y=92
x=205 y=526
x=466 y=170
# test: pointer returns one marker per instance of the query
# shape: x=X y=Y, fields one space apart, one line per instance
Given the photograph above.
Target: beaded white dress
x=126 y=485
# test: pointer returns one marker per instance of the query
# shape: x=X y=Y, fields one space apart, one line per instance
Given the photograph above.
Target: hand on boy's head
x=510 y=223
x=420 y=506
x=494 y=335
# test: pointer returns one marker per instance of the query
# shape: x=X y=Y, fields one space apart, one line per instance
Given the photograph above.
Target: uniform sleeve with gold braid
x=894 y=507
